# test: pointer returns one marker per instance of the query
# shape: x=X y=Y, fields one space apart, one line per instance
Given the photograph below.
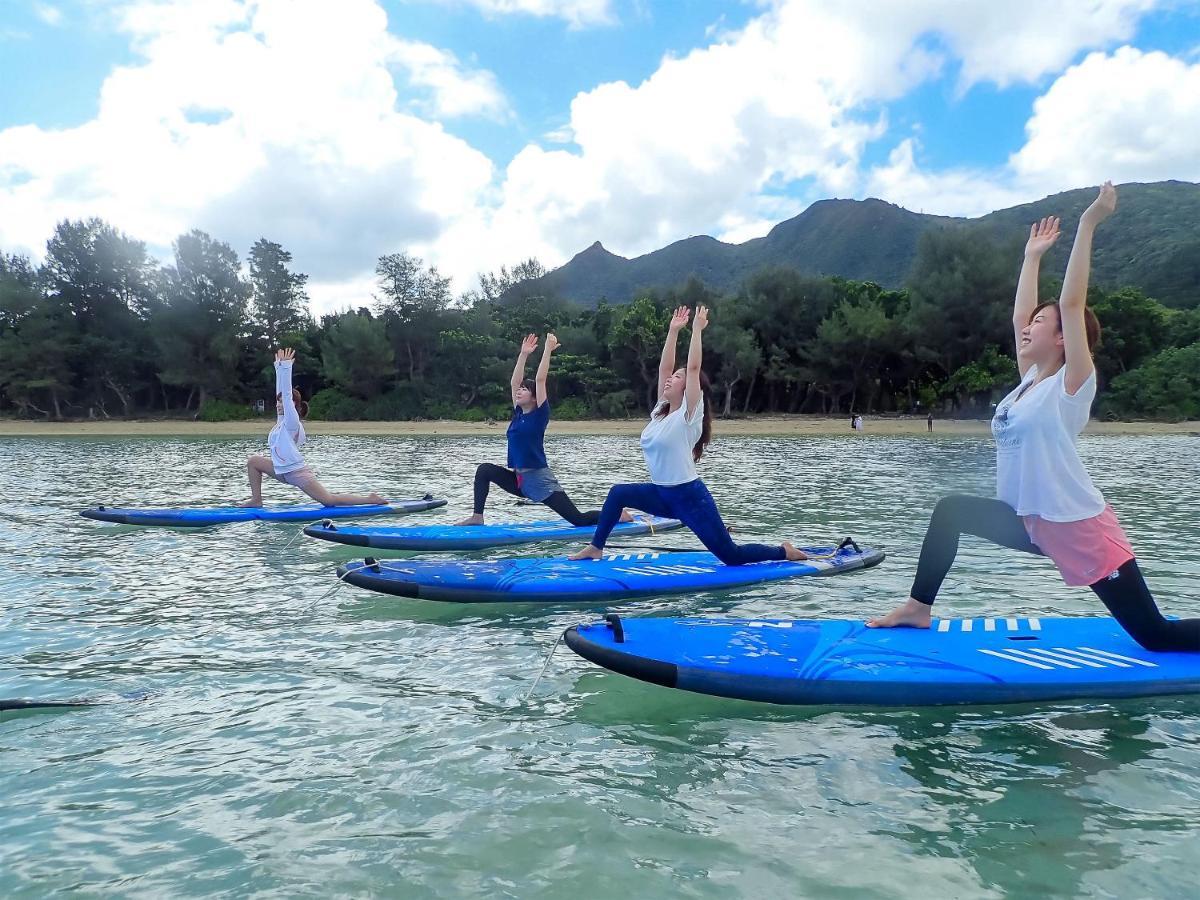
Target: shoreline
x=763 y=426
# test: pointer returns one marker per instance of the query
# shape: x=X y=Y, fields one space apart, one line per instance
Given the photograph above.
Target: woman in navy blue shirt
x=528 y=473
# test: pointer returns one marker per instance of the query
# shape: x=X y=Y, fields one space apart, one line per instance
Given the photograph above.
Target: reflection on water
x=296 y=744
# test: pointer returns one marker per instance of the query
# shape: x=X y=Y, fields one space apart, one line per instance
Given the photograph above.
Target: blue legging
x=690 y=503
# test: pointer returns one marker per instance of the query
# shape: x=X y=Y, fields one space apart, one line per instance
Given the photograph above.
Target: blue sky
x=480 y=132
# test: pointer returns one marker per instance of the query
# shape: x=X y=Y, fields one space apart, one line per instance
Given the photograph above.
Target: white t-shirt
x=1038 y=470
x=288 y=434
x=667 y=444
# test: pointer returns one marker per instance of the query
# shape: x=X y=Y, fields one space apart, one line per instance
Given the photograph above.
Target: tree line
x=100 y=329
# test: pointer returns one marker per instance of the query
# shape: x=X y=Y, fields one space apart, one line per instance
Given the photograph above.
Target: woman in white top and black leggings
x=284 y=463
x=680 y=428
x=1045 y=501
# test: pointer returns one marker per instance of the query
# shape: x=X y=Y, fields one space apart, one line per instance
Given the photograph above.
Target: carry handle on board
x=614 y=622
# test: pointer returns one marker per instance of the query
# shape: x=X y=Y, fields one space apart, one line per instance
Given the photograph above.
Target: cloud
x=50 y=15
x=577 y=13
x=456 y=92
x=957 y=191
x=1126 y=116
x=788 y=104
x=308 y=122
x=275 y=118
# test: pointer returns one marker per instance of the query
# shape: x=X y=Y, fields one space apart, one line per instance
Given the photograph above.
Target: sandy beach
x=754 y=426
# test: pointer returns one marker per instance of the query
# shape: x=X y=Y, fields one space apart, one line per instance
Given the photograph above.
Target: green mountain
x=1151 y=243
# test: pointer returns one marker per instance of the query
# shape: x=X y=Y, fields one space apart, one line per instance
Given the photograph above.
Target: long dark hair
x=706 y=428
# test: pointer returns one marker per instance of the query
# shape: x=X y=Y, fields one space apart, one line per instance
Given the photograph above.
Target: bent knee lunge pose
x=680 y=428
x=1046 y=502
x=284 y=462
x=528 y=473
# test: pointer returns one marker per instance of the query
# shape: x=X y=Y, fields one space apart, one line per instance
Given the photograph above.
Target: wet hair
x=706 y=428
x=301 y=406
x=530 y=385
x=1090 y=323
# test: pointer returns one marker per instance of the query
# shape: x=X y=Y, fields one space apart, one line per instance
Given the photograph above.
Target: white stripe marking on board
x=1130 y=659
x=989 y=624
x=1075 y=654
x=944 y=625
x=1065 y=665
x=1013 y=624
x=1025 y=662
x=1056 y=656
x=1035 y=624
x=967 y=624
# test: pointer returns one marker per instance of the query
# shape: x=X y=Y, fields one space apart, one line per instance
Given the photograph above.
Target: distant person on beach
x=673 y=441
x=929 y=421
x=858 y=423
x=528 y=473
x=284 y=462
x=1046 y=503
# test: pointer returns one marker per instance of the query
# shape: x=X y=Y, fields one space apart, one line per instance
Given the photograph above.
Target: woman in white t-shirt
x=284 y=462
x=1045 y=501
x=680 y=428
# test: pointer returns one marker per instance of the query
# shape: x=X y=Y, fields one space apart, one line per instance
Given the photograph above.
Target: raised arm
x=1073 y=302
x=527 y=346
x=666 y=362
x=283 y=387
x=544 y=368
x=1042 y=236
x=692 y=393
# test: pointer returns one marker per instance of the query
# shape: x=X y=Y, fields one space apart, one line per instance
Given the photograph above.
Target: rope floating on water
x=545 y=666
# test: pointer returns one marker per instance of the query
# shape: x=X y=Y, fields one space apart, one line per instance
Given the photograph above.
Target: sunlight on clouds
x=954 y=192
x=1129 y=116
x=308 y=122
x=274 y=118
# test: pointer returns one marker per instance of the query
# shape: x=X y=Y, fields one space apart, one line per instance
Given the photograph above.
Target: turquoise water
x=291 y=743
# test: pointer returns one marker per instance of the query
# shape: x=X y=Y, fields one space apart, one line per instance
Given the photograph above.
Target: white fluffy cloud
x=1128 y=116
x=1125 y=116
x=795 y=97
x=275 y=117
x=308 y=122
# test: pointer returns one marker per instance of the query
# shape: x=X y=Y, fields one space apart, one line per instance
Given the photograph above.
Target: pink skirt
x=1085 y=551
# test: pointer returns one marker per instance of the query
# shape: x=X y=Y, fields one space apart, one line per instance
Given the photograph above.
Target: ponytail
x=706 y=428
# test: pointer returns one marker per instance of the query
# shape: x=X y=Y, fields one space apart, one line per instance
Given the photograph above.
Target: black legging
x=1124 y=593
x=488 y=474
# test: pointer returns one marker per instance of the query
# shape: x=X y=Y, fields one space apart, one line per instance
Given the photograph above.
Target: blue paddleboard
x=619 y=576
x=220 y=515
x=475 y=537
x=838 y=661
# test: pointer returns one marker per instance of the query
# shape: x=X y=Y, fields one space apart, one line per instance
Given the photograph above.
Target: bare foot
x=627 y=516
x=375 y=498
x=250 y=504
x=474 y=519
x=588 y=552
x=910 y=614
x=793 y=554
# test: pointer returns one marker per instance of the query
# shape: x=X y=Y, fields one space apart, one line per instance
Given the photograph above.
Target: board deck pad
x=837 y=661
x=476 y=537
x=200 y=517
x=619 y=576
